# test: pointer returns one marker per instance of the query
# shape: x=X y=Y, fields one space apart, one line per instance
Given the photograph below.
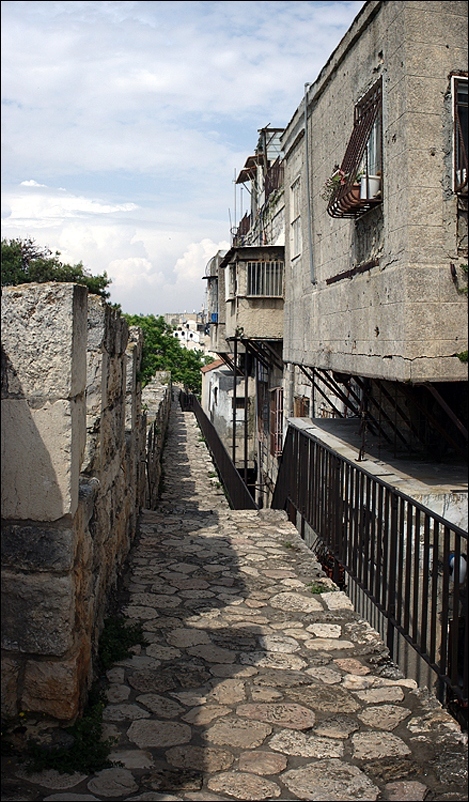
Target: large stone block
x=10 y=674
x=38 y=613
x=55 y=688
x=31 y=547
x=44 y=333
x=42 y=450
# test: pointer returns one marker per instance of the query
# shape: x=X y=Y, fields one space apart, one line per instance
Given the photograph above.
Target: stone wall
x=73 y=483
x=156 y=401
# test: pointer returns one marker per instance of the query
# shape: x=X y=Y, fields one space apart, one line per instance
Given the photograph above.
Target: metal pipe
x=308 y=192
x=246 y=427
x=235 y=360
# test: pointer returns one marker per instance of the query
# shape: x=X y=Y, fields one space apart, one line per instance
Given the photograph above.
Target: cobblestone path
x=254 y=685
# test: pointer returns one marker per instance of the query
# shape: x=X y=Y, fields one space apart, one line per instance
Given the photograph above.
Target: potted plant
x=370 y=186
x=337 y=178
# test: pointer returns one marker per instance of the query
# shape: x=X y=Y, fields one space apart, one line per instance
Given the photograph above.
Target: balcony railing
x=410 y=563
x=235 y=489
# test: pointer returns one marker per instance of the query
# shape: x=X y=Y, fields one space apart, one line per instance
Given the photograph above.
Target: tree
x=163 y=351
x=24 y=262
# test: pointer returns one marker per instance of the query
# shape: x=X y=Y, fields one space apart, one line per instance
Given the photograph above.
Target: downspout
x=235 y=361
x=308 y=192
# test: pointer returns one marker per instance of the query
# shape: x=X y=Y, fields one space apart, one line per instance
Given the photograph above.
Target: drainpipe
x=308 y=192
x=288 y=394
x=246 y=422
x=235 y=360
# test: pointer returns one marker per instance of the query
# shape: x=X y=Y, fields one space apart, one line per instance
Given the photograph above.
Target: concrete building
x=245 y=287
x=375 y=161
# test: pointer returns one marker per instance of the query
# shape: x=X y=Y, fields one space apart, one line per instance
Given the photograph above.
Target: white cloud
x=31 y=183
x=144 y=111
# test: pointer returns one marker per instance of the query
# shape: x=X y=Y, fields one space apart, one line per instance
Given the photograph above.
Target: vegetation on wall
x=24 y=262
x=163 y=351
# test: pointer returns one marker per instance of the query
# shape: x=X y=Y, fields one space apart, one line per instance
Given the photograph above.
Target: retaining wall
x=73 y=483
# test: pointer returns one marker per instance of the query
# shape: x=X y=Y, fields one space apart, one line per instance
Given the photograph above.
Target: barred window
x=276 y=422
x=265 y=278
x=231 y=282
x=295 y=200
x=460 y=133
x=362 y=165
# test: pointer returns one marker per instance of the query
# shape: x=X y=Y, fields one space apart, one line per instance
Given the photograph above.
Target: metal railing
x=235 y=489
x=409 y=562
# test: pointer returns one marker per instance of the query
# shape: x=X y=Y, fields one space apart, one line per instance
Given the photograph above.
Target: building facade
x=375 y=161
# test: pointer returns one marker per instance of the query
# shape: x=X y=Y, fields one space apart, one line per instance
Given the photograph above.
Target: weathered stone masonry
x=74 y=448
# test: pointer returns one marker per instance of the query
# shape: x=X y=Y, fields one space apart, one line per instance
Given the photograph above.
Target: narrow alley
x=259 y=681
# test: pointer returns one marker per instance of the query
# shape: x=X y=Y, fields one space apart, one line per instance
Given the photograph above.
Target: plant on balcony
x=337 y=178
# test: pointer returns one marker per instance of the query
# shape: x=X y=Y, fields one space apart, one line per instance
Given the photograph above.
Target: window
x=460 y=133
x=295 y=200
x=265 y=278
x=301 y=407
x=276 y=422
x=362 y=165
x=231 y=282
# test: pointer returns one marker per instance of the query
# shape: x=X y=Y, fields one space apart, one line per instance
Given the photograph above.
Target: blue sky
x=124 y=123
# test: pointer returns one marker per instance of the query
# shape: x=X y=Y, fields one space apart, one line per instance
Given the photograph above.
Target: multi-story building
x=375 y=161
x=245 y=287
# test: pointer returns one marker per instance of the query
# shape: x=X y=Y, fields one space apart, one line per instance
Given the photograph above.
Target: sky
x=124 y=125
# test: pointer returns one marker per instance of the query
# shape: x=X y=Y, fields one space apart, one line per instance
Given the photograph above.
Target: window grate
x=460 y=134
x=265 y=279
x=362 y=160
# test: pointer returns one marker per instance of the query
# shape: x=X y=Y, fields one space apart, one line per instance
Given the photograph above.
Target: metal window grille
x=363 y=154
x=265 y=278
x=460 y=133
x=295 y=191
x=276 y=422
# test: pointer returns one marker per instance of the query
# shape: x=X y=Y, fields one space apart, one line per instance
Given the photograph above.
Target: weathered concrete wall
x=73 y=483
x=402 y=319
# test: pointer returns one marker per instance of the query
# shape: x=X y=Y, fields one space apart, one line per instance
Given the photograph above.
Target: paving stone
x=292 y=716
x=351 y=665
x=293 y=601
x=333 y=780
x=405 y=791
x=327 y=699
x=229 y=691
x=244 y=786
x=182 y=638
x=373 y=745
x=325 y=630
x=117 y=693
x=336 y=600
x=132 y=759
x=200 y=758
x=66 y=797
x=153 y=733
x=205 y=714
x=212 y=653
x=124 y=713
x=377 y=695
x=113 y=783
x=328 y=644
x=160 y=705
x=306 y=745
x=276 y=660
x=263 y=763
x=337 y=727
x=50 y=778
x=242 y=734
x=384 y=717
x=324 y=674
x=279 y=643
